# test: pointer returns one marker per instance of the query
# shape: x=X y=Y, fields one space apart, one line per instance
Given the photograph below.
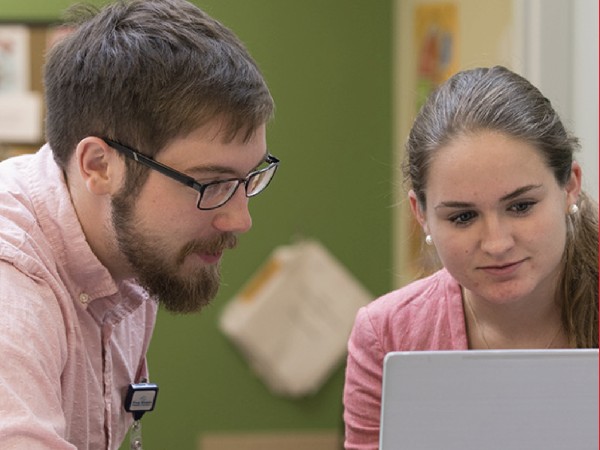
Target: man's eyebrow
x=222 y=170
x=262 y=160
x=514 y=194
x=211 y=169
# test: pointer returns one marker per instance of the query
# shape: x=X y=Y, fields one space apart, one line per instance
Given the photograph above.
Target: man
x=156 y=120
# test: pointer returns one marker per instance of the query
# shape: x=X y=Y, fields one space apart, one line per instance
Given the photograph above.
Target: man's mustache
x=222 y=242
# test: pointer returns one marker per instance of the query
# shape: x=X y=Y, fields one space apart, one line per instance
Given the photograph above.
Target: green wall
x=329 y=67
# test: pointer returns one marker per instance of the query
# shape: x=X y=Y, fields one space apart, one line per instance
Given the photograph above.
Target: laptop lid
x=490 y=400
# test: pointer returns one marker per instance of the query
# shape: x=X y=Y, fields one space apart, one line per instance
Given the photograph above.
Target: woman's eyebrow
x=453 y=204
x=520 y=191
x=514 y=194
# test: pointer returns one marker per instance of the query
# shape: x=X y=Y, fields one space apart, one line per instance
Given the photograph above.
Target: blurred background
x=347 y=77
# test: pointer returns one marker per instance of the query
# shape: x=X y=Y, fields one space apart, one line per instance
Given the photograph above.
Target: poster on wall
x=436 y=40
x=14 y=59
x=20 y=106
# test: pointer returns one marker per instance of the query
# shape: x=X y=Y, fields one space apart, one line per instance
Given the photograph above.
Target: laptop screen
x=491 y=400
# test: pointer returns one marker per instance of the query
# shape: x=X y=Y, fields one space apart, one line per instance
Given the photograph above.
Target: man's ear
x=99 y=166
x=417 y=211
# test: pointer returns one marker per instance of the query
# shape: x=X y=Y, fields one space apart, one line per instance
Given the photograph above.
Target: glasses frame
x=191 y=182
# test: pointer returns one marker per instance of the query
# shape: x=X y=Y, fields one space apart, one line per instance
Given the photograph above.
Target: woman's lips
x=503 y=269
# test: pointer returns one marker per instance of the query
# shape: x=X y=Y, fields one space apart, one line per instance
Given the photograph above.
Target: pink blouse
x=424 y=315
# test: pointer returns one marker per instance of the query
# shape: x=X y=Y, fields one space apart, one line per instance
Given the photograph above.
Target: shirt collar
x=59 y=222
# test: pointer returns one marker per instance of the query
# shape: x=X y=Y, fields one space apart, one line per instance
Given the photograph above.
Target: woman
x=494 y=186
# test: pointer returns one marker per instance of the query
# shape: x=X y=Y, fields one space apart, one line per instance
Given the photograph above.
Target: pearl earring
x=573 y=209
x=428 y=240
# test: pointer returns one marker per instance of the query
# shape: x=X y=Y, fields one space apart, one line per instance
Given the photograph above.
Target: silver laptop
x=490 y=400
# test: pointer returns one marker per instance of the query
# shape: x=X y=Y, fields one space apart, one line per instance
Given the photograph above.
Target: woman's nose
x=496 y=236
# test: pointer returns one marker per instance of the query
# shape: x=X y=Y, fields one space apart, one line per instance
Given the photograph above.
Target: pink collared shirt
x=424 y=315
x=71 y=339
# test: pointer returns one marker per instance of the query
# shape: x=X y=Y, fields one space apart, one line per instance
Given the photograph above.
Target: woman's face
x=497 y=215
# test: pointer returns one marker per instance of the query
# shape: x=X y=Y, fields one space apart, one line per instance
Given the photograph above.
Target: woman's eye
x=522 y=207
x=462 y=218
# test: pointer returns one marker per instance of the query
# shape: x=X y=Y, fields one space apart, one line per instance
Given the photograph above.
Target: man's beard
x=160 y=275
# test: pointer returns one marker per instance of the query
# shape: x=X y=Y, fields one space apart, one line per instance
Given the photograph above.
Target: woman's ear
x=417 y=210
x=99 y=166
x=573 y=186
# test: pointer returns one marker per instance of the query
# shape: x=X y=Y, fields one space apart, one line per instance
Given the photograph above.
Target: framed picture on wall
x=22 y=50
x=14 y=59
x=436 y=37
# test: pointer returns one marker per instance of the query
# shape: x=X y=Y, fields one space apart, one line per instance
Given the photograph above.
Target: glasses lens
x=219 y=192
x=257 y=182
x=216 y=194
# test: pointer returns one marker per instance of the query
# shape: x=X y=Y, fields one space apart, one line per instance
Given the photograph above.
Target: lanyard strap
x=135 y=439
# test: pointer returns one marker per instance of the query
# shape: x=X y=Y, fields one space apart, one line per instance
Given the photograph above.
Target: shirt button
x=84 y=298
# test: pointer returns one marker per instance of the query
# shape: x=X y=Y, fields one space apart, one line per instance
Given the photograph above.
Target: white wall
x=556 y=48
x=585 y=87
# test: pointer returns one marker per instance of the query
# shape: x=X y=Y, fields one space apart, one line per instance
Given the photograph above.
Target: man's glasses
x=213 y=194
